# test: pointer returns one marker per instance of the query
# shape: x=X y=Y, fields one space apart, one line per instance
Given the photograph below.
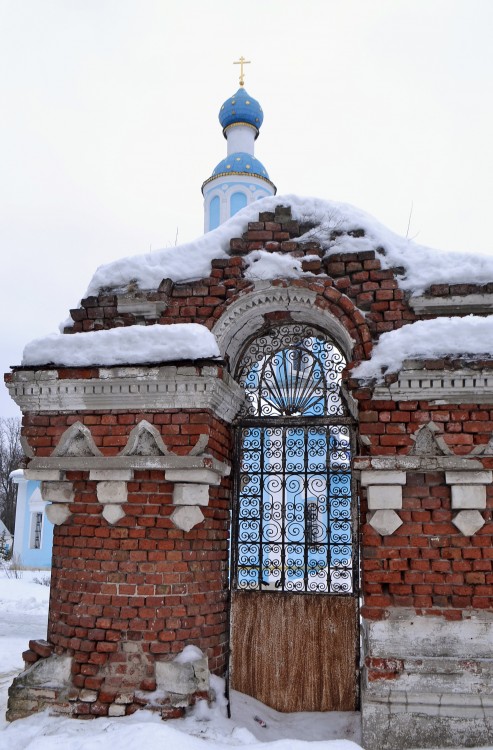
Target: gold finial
x=241 y=62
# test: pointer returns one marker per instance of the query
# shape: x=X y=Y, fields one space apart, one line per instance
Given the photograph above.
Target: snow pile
x=332 y=222
x=253 y=725
x=143 y=729
x=429 y=339
x=263 y=265
x=119 y=346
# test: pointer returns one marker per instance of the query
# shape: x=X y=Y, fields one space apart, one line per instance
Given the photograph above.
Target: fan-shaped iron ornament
x=292 y=370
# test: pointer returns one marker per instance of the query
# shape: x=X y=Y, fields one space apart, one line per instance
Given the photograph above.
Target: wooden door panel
x=295 y=652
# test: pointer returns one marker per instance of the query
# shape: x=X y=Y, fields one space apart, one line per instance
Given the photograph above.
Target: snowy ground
x=23 y=616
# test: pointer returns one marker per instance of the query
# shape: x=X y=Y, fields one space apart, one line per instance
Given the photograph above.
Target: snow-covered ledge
x=129 y=388
x=453 y=304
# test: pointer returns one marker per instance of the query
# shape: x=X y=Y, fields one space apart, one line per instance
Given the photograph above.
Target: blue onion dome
x=241 y=163
x=241 y=108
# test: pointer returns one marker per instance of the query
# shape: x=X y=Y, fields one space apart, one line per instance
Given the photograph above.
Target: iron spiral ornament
x=294 y=514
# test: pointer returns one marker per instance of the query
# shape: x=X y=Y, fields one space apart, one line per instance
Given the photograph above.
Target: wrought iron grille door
x=294 y=520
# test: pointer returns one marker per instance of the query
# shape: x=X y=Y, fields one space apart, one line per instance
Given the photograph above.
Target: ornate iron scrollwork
x=294 y=520
x=292 y=370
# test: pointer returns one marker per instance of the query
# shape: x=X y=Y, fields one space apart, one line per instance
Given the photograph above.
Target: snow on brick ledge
x=333 y=226
x=122 y=346
x=429 y=339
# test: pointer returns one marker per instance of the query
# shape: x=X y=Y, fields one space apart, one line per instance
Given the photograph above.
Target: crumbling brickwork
x=130 y=592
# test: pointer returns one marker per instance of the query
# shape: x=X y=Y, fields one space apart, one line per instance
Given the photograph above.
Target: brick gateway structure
x=136 y=463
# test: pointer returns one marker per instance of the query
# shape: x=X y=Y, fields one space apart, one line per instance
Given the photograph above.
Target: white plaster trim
x=106 y=475
x=382 y=477
x=405 y=634
x=469 y=522
x=385 y=497
x=468 y=496
x=136 y=388
x=467 y=303
x=185 y=517
x=415 y=383
x=190 y=494
x=469 y=477
x=57 y=513
x=57 y=492
x=77 y=440
x=416 y=463
x=113 y=513
x=196 y=476
x=119 y=463
x=144 y=440
x=385 y=522
x=43 y=476
x=111 y=492
x=245 y=316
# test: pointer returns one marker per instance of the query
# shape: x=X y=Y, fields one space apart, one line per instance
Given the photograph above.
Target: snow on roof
x=17 y=475
x=118 y=346
x=192 y=261
x=429 y=339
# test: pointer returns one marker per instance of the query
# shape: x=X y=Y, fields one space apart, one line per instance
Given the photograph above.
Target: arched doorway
x=294 y=609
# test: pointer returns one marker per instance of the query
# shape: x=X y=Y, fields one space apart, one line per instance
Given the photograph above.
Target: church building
x=268 y=455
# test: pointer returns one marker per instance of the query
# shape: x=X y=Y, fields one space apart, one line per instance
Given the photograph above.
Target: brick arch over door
x=250 y=312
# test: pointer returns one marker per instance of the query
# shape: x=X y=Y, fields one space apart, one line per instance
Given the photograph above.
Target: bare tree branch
x=11 y=458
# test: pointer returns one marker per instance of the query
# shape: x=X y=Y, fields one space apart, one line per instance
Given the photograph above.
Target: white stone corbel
x=190 y=494
x=57 y=492
x=192 y=483
x=185 y=517
x=112 y=512
x=384 y=499
x=111 y=491
x=468 y=489
x=58 y=513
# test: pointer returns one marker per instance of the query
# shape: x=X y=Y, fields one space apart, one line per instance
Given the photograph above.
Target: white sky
x=109 y=127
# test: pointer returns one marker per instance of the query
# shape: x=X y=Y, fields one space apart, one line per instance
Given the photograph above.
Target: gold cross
x=241 y=62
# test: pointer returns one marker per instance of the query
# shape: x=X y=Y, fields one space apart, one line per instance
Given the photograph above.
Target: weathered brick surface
x=427 y=563
x=126 y=595
x=142 y=581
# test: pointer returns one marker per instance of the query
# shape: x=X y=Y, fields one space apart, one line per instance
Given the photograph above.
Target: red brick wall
x=142 y=580
x=427 y=563
x=110 y=430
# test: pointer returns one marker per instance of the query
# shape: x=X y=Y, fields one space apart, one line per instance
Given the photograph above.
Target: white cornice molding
x=154 y=388
x=190 y=464
x=415 y=463
x=462 y=386
x=453 y=305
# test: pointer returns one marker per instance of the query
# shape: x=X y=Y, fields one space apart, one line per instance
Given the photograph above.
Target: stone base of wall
x=395 y=719
x=48 y=684
x=427 y=681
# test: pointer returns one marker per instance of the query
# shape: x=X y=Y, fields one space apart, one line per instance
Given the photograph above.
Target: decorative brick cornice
x=453 y=304
x=165 y=387
x=460 y=386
